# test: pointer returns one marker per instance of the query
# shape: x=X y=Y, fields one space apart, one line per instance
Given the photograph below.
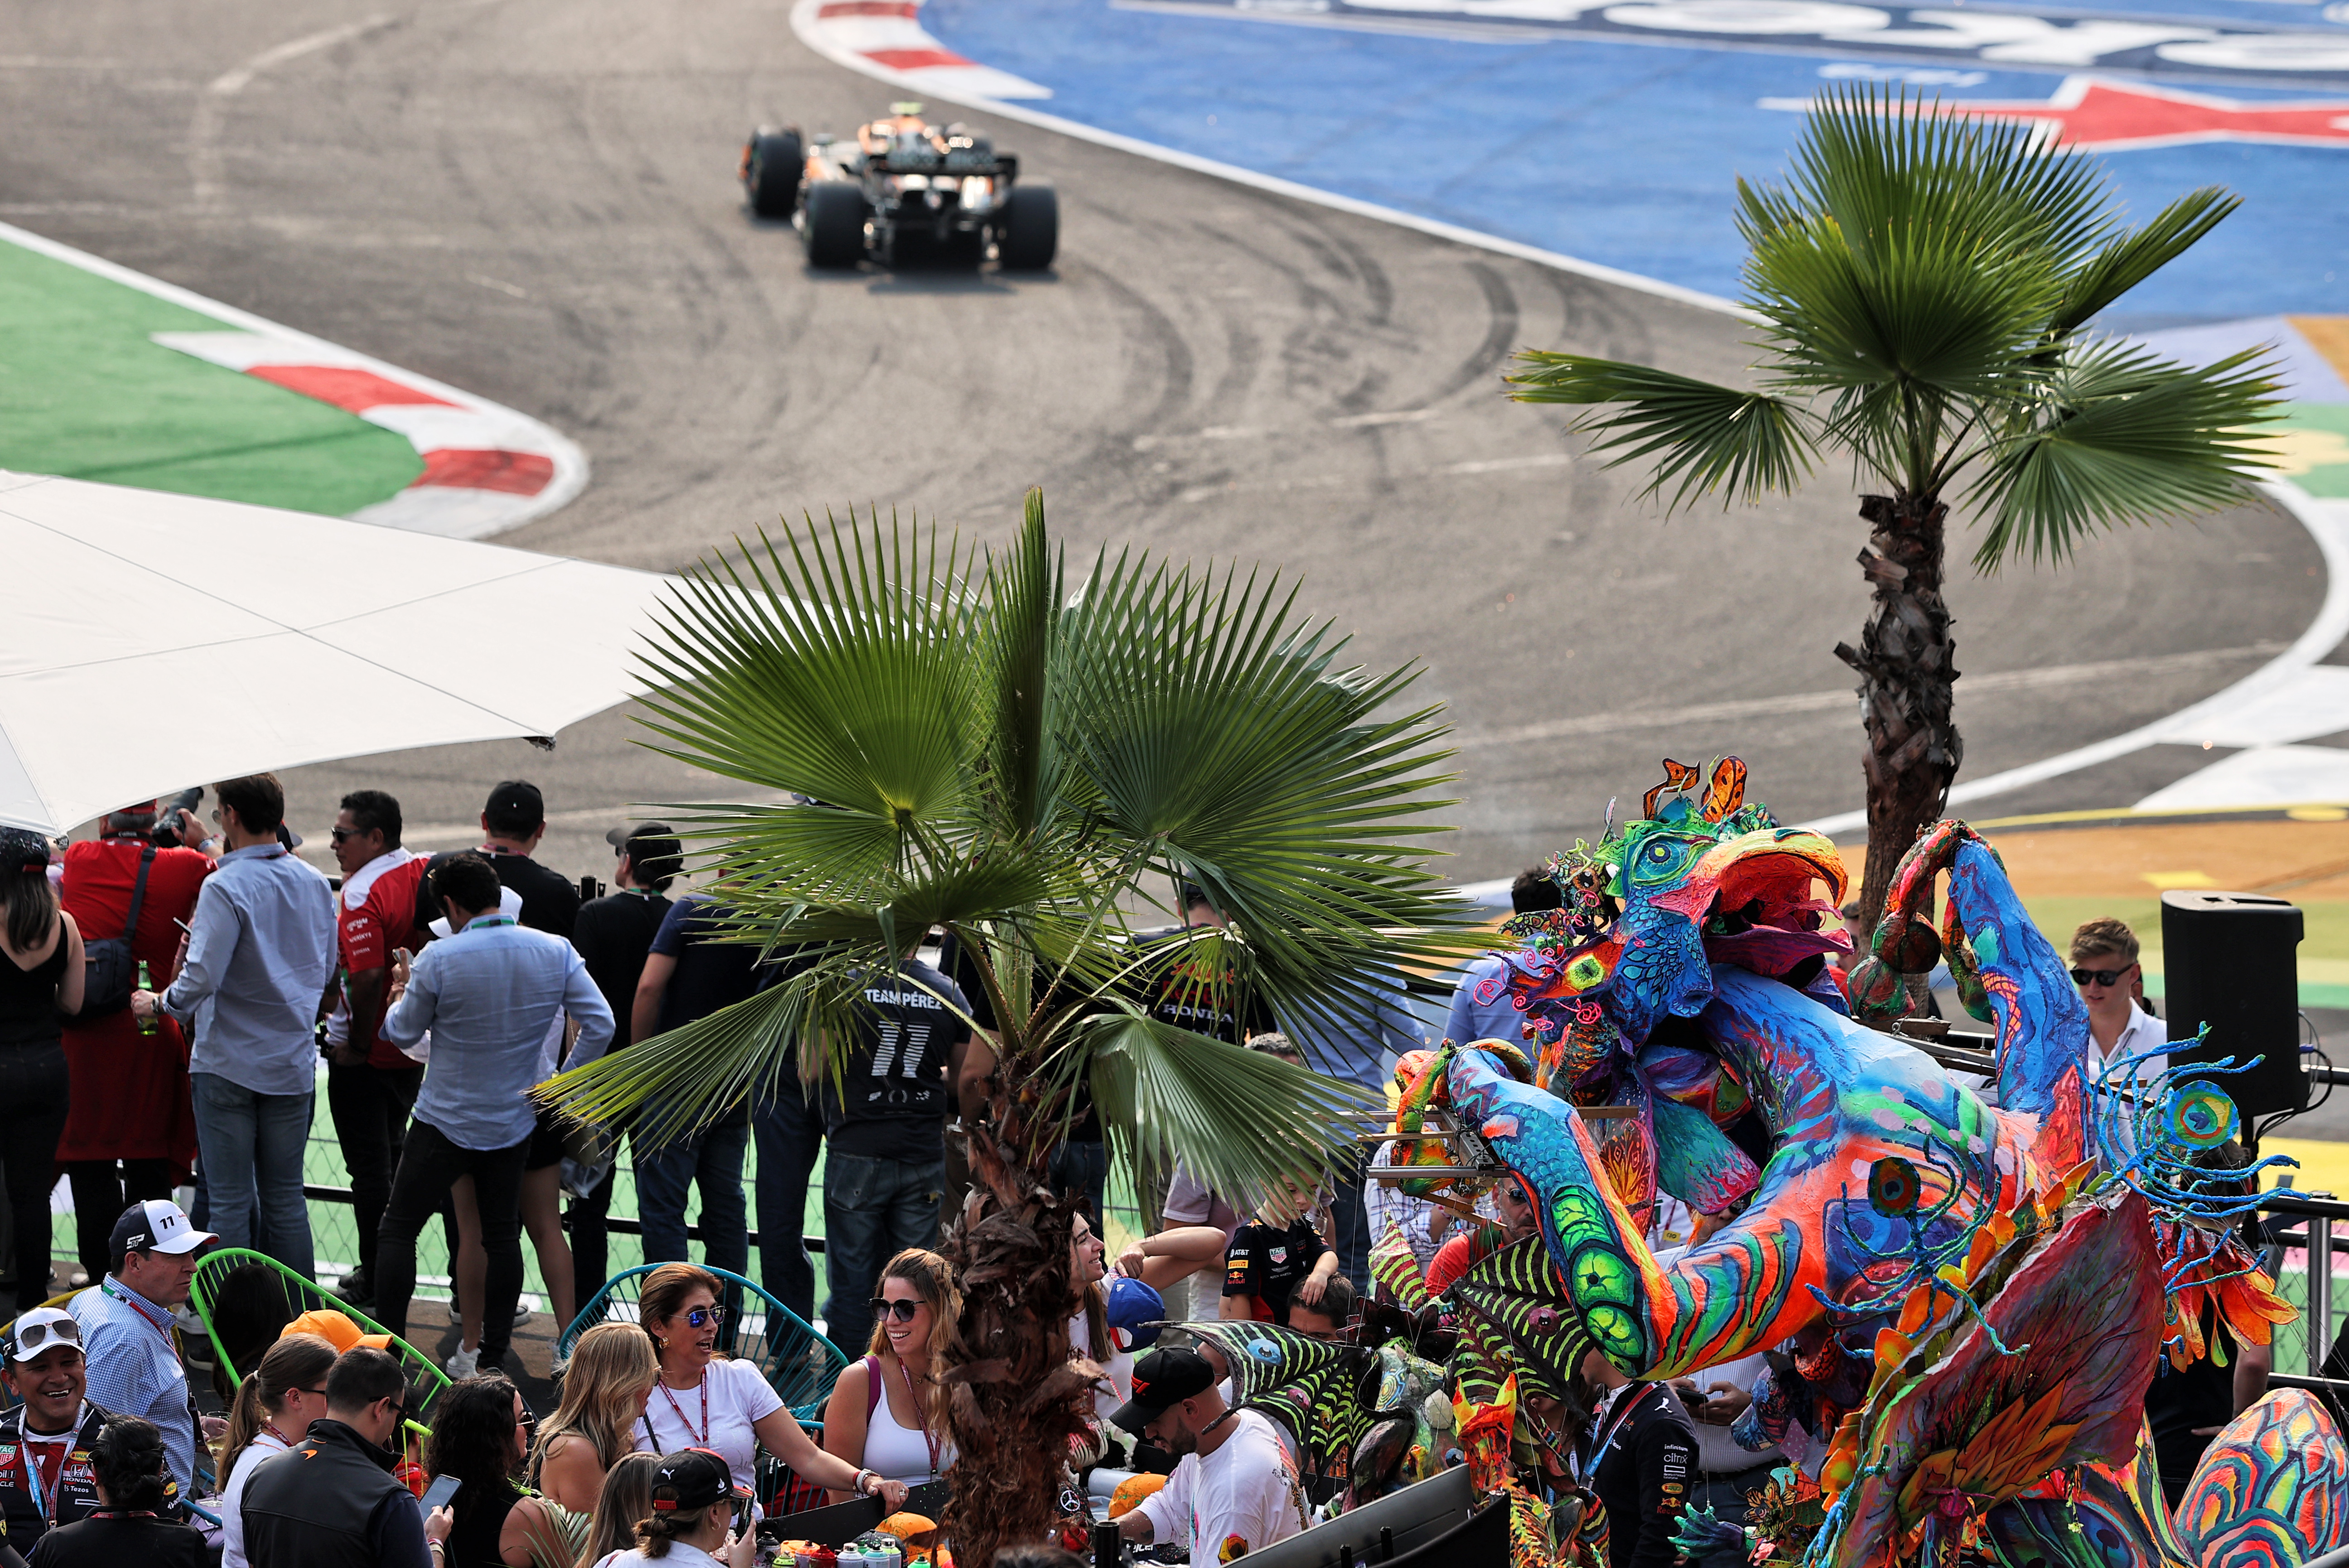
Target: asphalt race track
x=536 y=202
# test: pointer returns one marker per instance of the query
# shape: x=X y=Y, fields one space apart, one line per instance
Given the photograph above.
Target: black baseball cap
x=691 y=1479
x=515 y=801
x=1162 y=1379
x=653 y=845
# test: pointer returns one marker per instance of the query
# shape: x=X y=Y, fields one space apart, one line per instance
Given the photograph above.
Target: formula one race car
x=901 y=186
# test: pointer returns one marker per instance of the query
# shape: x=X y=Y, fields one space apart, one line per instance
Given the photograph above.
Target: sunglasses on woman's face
x=703 y=1316
x=903 y=1310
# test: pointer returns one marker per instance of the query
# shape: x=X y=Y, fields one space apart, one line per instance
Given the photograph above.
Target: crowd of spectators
x=433 y=994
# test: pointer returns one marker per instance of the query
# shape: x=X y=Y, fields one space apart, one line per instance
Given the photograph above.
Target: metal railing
x=2308 y=1222
x=619 y=1224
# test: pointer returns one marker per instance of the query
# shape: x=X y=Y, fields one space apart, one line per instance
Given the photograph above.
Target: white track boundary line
x=446 y=510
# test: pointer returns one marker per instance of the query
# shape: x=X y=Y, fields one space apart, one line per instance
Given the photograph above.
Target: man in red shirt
x=370 y=1084
x=130 y=1129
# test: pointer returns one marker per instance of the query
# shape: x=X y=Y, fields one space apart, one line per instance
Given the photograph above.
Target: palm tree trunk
x=1907 y=662
x=1015 y=1398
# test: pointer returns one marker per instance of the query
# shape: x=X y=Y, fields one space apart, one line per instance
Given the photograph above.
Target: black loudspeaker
x=2232 y=960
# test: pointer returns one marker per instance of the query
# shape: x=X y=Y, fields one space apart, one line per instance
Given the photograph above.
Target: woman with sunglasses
x=481 y=1435
x=887 y=1414
x=274 y=1406
x=703 y=1400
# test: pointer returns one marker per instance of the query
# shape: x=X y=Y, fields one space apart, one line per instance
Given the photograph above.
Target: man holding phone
x=489 y=993
x=332 y=1498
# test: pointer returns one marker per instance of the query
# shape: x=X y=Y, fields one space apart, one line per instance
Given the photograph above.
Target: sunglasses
x=703 y=1316
x=903 y=1310
x=2103 y=977
x=35 y=1337
x=340 y=834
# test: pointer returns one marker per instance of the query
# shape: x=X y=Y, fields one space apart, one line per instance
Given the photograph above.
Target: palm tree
x=1923 y=287
x=1020 y=764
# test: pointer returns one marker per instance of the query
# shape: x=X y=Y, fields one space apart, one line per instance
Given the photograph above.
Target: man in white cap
x=46 y=1478
x=126 y=1328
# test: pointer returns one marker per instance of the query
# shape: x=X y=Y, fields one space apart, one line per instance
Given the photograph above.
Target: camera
x=166 y=831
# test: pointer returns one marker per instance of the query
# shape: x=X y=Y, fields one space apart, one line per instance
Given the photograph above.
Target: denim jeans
x=1351 y=1218
x=712 y=1160
x=872 y=1210
x=430 y=1164
x=370 y=1106
x=1085 y=1167
x=791 y=1135
x=253 y=1147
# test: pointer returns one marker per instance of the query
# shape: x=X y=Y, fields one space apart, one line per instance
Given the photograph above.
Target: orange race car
x=900 y=187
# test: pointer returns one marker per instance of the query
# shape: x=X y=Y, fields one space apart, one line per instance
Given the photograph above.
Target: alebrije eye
x=1264 y=1350
x=2200 y=1115
x=1892 y=1188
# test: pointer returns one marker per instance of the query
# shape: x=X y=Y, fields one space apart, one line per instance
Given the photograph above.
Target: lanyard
x=921 y=1414
x=139 y=1305
x=1629 y=1402
x=704 y=1433
x=46 y=1504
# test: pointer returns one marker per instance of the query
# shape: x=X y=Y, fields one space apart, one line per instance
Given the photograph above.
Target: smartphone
x=438 y=1494
x=183 y=925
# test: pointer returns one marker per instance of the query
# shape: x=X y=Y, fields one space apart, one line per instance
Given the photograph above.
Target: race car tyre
x=833 y=224
x=1031 y=231
x=771 y=171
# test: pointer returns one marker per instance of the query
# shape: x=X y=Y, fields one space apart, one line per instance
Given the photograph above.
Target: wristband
x=863 y=1476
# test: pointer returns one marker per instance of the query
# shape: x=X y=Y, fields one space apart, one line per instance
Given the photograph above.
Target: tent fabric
x=154 y=641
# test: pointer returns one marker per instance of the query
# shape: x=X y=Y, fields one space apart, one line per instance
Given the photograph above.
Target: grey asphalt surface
x=537 y=202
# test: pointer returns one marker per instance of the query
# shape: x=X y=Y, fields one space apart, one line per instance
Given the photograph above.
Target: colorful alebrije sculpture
x=1975 y=1296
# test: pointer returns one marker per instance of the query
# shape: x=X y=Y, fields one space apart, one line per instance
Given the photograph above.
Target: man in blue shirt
x=1481 y=1005
x=489 y=993
x=261 y=954
x=134 y=1366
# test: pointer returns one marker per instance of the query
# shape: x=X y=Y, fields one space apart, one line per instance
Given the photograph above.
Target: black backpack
x=113 y=972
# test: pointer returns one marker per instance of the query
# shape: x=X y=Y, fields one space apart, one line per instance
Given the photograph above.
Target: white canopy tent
x=153 y=640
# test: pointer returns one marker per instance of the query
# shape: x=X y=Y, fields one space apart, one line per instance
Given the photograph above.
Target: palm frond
x=1243 y=1122
x=1015 y=650
x=1712 y=440
x=2126 y=261
x=839 y=668
x=2125 y=436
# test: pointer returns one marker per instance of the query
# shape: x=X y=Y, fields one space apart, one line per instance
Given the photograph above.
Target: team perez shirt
x=45 y=1477
x=892 y=1099
x=1240 y=1499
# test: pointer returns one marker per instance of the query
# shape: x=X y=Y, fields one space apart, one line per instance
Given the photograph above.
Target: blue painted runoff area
x=1616 y=133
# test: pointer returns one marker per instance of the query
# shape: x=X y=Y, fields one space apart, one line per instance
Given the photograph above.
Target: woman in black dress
x=41 y=976
x=130 y=1525
x=481 y=1435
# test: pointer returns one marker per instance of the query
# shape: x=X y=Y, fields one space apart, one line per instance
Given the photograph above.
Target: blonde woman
x=886 y=1413
x=625 y=1498
x=611 y=1376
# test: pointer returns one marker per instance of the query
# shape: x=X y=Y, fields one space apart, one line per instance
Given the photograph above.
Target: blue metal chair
x=799 y=1364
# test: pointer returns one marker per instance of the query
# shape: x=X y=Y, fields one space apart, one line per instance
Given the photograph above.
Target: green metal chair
x=282 y=1294
x=799 y=1364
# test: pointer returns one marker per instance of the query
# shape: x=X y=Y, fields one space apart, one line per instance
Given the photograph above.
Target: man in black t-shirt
x=613 y=934
x=885 y=1120
x=690 y=974
x=513 y=822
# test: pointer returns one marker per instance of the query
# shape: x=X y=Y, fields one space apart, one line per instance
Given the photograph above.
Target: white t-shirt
x=679 y=1555
x=2145 y=1033
x=738 y=1397
x=265 y=1445
x=1242 y=1498
x=1119 y=1367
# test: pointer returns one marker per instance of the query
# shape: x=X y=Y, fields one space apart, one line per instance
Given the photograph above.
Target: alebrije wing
x=1393 y=1266
x=1309 y=1385
x=1517 y=1296
x=1727 y=791
x=2272 y=1488
x=2108 y=1518
x=1678 y=777
x=2083 y=1319
x=1696 y=1163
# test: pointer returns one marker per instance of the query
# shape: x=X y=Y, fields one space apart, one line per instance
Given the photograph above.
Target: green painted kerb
x=85 y=393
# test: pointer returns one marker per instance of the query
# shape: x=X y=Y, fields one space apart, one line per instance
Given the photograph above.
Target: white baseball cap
x=39 y=1329
x=157 y=1225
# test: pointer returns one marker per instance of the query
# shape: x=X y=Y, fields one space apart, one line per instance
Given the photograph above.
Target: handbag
x=588 y=1150
x=113 y=969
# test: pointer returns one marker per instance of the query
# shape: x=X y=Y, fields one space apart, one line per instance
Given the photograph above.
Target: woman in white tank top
x=885 y=1414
